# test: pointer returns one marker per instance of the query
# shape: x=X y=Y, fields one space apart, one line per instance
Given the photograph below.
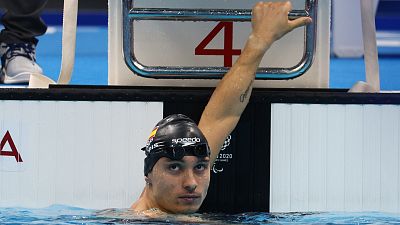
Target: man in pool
x=179 y=153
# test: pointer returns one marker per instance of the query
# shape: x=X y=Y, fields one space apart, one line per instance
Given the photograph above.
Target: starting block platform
x=193 y=43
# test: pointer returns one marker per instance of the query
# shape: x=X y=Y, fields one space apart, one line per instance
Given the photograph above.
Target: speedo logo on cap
x=186 y=140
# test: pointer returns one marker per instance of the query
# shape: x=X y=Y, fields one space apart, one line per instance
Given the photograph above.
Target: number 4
x=228 y=52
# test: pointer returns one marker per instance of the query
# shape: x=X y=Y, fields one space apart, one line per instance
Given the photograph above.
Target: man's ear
x=148 y=180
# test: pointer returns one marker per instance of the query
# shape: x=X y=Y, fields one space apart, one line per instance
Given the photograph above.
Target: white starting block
x=193 y=43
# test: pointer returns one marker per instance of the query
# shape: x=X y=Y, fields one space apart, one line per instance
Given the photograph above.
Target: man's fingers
x=288 y=6
x=257 y=10
x=300 y=22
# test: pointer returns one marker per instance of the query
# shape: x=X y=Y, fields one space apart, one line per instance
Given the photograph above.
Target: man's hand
x=270 y=22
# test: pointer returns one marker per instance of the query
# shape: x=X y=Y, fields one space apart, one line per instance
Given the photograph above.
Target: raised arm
x=269 y=23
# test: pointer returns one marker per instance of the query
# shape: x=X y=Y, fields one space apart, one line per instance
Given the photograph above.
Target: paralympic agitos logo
x=223 y=157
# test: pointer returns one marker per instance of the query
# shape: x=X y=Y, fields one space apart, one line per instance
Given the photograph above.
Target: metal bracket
x=131 y=14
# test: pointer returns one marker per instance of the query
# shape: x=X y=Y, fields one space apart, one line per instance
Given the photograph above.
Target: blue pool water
x=59 y=214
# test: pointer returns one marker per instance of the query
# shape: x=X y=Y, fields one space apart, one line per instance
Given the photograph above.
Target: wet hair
x=174 y=137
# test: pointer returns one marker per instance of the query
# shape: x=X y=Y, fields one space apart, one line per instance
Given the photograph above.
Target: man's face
x=179 y=186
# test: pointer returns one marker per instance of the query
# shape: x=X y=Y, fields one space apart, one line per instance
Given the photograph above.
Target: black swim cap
x=174 y=137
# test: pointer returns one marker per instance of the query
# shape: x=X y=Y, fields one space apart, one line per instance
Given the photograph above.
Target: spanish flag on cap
x=153 y=133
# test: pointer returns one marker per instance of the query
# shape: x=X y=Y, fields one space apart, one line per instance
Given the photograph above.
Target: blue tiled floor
x=91 y=55
x=345 y=72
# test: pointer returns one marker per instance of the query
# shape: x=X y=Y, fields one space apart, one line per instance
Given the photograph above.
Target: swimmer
x=178 y=152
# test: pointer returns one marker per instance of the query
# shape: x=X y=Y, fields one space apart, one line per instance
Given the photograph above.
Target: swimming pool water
x=59 y=214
